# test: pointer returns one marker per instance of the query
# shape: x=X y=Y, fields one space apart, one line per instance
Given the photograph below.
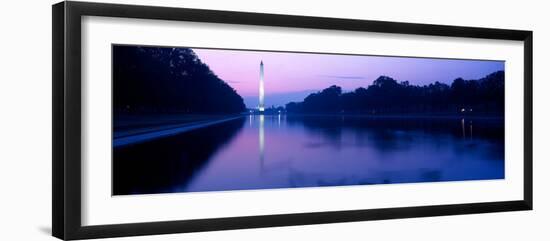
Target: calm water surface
x=260 y=152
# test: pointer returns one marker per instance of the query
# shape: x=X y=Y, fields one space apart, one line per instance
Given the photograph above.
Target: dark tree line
x=153 y=79
x=386 y=95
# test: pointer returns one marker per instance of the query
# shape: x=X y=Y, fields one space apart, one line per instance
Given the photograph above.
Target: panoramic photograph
x=197 y=119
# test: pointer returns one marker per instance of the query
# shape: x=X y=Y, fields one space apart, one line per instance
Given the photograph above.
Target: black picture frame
x=67 y=134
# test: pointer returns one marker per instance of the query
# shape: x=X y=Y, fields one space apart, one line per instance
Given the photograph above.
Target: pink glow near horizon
x=300 y=72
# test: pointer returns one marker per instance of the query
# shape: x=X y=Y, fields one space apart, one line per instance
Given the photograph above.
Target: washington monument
x=261 y=107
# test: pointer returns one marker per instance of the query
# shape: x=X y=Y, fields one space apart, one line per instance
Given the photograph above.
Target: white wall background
x=25 y=119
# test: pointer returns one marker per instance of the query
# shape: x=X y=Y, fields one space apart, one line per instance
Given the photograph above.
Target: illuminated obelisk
x=261 y=107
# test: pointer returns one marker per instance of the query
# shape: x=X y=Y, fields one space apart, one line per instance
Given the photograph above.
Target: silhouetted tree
x=154 y=79
x=386 y=95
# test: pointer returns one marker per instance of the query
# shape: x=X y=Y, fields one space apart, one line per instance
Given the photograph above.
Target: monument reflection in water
x=194 y=120
x=280 y=151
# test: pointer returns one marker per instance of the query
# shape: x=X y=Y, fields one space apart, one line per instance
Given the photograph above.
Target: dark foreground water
x=261 y=152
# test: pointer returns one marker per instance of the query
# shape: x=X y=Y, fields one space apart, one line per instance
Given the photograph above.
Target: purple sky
x=292 y=76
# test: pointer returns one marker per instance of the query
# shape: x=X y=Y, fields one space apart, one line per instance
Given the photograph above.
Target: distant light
x=471 y=110
x=462 y=110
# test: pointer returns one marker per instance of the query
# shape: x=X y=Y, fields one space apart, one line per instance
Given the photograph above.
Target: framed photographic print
x=170 y=120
